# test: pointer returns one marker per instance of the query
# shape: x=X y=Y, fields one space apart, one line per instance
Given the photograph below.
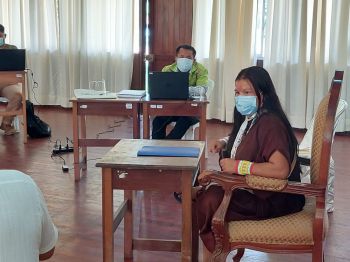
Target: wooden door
x=170 y=24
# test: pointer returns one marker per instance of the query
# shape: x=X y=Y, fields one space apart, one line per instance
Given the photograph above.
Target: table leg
x=136 y=121
x=186 y=244
x=195 y=234
x=203 y=123
x=76 y=142
x=107 y=215
x=128 y=225
x=145 y=122
x=203 y=133
x=83 y=136
x=24 y=109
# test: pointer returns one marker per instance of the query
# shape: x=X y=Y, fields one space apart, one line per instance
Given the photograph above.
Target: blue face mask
x=2 y=41
x=184 y=64
x=246 y=105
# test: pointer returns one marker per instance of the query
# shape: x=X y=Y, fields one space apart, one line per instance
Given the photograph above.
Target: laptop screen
x=12 y=59
x=168 y=85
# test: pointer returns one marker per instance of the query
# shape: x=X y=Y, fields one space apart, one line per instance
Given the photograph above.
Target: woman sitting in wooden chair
x=261 y=143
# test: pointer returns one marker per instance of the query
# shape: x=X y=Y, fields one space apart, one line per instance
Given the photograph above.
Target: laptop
x=168 y=85
x=12 y=59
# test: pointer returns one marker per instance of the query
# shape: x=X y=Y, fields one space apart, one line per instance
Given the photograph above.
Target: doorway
x=164 y=26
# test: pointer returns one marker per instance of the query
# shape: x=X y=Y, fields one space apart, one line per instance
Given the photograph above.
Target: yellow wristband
x=244 y=167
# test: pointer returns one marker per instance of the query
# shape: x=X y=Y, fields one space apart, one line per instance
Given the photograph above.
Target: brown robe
x=265 y=137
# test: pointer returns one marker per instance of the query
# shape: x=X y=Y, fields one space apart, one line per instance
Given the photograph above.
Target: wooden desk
x=102 y=107
x=176 y=108
x=122 y=169
x=11 y=78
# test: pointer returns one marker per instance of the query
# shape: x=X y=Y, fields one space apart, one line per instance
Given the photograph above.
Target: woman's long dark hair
x=263 y=85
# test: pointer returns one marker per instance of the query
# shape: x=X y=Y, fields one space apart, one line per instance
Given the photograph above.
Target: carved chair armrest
x=230 y=181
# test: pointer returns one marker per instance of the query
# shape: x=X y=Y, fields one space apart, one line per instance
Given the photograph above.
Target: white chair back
x=211 y=85
x=305 y=144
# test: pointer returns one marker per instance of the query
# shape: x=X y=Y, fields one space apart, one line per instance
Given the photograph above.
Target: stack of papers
x=131 y=93
x=93 y=94
x=168 y=151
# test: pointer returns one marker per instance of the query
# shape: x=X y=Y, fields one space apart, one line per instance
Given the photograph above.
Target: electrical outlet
x=61 y=150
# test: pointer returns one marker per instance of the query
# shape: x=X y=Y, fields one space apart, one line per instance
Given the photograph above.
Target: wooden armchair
x=302 y=232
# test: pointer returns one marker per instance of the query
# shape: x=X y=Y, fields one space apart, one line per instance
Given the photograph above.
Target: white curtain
x=303 y=43
x=69 y=43
x=330 y=51
x=301 y=61
x=221 y=34
x=285 y=55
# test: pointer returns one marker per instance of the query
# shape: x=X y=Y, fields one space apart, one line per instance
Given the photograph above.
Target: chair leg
x=239 y=255
x=317 y=254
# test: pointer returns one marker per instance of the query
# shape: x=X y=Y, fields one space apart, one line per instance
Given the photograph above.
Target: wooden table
x=11 y=78
x=122 y=169
x=175 y=108
x=101 y=107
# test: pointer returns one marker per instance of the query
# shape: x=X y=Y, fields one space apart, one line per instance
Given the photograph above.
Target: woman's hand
x=217 y=146
x=228 y=165
x=203 y=177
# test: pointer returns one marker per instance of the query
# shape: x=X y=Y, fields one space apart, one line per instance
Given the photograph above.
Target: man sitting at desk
x=198 y=80
x=9 y=90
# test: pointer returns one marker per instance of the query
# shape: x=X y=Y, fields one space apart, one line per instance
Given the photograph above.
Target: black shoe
x=178 y=196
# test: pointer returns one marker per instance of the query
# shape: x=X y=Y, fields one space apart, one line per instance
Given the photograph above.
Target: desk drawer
x=155 y=180
x=165 y=109
x=106 y=108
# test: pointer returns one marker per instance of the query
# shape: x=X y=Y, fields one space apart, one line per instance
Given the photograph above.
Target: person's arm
x=273 y=147
x=200 y=86
x=49 y=233
x=276 y=167
x=202 y=76
x=218 y=145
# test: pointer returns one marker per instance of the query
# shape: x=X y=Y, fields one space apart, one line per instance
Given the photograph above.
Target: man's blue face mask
x=184 y=64
x=246 y=105
x=2 y=41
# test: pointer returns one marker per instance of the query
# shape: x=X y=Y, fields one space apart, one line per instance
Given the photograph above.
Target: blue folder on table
x=168 y=151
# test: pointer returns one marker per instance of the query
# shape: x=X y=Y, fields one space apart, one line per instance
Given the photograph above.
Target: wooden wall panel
x=170 y=25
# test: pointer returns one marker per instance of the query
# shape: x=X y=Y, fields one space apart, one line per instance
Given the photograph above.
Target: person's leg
x=183 y=123
x=207 y=203
x=14 y=96
x=244 y=205
x=159 y=125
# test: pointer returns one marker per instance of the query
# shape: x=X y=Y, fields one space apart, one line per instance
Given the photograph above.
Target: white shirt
x=26 y=228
